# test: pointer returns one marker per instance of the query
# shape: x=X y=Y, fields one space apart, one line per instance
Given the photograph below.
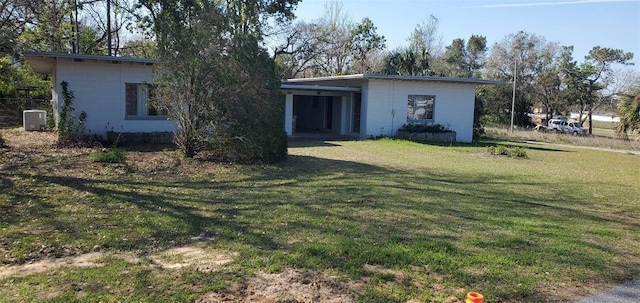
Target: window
x=420 y=108
x=138 y=99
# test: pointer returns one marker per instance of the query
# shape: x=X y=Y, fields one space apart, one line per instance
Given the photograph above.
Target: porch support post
x=288 y=114
x=344 y=126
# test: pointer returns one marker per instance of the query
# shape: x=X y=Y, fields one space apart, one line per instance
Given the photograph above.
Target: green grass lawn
x=434 y=222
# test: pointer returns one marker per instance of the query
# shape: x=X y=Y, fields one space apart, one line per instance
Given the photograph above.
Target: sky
x=582 y=24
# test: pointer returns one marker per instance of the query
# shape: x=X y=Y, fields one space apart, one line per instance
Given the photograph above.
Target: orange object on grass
x=474 y=297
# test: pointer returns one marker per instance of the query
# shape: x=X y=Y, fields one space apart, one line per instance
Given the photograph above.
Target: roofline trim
x=396 y=77
x=113 y=59
x=284 y=86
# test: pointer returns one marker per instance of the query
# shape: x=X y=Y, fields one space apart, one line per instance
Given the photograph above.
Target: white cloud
x=528 y=4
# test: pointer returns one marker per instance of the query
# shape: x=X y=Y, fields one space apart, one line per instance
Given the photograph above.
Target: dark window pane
x=131 y=99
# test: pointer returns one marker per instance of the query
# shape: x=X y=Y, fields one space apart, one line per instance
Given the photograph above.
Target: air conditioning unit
x=34 y=119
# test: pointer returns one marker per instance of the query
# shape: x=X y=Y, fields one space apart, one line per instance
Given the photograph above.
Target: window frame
x=143 y=92
x=412 y=108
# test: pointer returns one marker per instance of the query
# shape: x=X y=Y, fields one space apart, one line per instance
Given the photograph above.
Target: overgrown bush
x=109 y=155
x=223 y=94
x=513 y=152
x=3 y=143
x=423 y=128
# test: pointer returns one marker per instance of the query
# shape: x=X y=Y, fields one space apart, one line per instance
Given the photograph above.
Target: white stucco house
x=113 y=92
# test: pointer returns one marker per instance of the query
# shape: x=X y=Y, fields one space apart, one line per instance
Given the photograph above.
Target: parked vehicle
x=575 y=128
x=567 y=127
x=557 y=125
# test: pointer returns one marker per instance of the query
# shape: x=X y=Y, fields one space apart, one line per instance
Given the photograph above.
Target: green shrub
x=519 y=152
x=422 y=128
x=513 y=152
x=2 y=142
x=498 y=150
x=110 y=155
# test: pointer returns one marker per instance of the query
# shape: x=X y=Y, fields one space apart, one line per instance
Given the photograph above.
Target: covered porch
x=315 y=111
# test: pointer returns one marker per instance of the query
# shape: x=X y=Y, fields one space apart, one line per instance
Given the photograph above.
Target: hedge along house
x=371 y=105
x=114 y=93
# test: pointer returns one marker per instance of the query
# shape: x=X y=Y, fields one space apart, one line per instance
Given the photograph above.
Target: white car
x=557 y=125
x=575 y=128
x=563 y=126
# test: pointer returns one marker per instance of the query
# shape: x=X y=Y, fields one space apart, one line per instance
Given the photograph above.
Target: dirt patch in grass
x=84 y=260
x=287 y=286
x=202 y=260
x=175 y=258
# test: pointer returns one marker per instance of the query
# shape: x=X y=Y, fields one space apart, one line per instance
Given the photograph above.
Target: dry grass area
x=602 y=138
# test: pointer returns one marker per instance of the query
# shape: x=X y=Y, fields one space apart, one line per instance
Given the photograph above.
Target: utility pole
x=77 y=27
x=513 y=100
x=109 y=27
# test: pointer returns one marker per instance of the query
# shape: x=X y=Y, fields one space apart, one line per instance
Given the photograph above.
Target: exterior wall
x=99 y=89
x=386 y=106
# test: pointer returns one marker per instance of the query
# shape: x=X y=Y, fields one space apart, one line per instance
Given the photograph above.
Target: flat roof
x=43 y=62
x=88 y=57
x=475 y=81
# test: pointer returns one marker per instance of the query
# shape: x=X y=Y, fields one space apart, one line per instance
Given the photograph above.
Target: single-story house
x=113 y=92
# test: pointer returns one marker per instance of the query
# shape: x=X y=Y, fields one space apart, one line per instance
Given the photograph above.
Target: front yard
x=360 y=221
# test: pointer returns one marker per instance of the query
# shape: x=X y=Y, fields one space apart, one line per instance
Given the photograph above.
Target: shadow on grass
x=310 y=143
x=520 y=143
x=329 y=214
x=148 y=147
x=489 y=142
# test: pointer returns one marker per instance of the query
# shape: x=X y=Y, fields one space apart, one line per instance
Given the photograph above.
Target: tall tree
x=585 y=81
x=425 y=38
x=139 y=48
x=528 y=52
x=73 y=26
x=218 y=84
x=331 y=45
x=549 y=91
x=466 y=61
x=364 y=40
x=14 y=14
x=425 y=44
x=109 y=19
x=298 y=50
x=334 y=54
x=629 y=112
x=403 y=61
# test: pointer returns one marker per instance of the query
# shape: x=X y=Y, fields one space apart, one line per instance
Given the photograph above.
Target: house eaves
x=296 y=87
x=44 y=62
x=473 y=81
